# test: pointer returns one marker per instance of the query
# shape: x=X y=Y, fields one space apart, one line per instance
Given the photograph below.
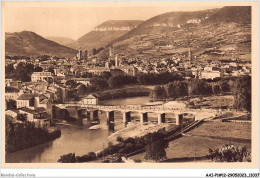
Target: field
x=220 y=101
x=194 y=145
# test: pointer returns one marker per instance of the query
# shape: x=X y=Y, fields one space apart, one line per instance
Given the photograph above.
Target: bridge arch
x=63 y=114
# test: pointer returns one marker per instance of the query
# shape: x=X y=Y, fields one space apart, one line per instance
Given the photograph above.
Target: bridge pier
x=179 y=119
x=126 y=117
x=161 y=118
x=94 y=115
x=110 y=116
x=143 y=117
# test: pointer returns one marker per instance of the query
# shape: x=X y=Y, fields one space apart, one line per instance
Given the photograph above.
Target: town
x=144 y=88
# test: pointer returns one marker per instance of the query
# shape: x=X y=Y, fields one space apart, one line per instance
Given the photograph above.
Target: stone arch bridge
x=76 y=109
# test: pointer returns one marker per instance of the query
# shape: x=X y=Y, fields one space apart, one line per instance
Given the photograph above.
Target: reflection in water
x=32 y=154
x=75 y=138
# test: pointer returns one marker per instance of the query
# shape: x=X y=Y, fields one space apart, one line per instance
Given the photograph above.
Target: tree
x=71 y=83
x=200 y=87
x=225 y=87
x=120 y=139
x=82 y=88
x=94 y=51
x=229 y=153
x=67 y=158
x=177 y=89
x=9 y=69
x=106 y=75
x=22 y=117
x=158 y=93
x=23 y=72
x=216 y=89
x=116 y=82
x=99 y=83
x=51 y=69
x=155 y=146
x=38 y=69
x=242 y=94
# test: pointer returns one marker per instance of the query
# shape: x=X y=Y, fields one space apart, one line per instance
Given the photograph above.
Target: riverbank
x=20 y=136
x=135 y=138
x=135 y=129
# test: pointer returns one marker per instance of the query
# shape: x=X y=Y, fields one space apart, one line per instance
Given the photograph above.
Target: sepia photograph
x=136 y=83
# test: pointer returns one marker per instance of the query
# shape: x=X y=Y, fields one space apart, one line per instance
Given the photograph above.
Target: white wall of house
x=92 y=101
x=22 y=103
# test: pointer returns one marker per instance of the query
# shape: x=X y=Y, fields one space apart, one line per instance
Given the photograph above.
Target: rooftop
x=26 y=96
x=92 y=96
x=11 y=90
x=37 y=110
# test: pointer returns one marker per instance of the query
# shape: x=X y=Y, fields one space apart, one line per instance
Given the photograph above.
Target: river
x=75 y=138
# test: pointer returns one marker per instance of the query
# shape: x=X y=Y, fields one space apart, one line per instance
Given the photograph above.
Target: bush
x=156 y=145
x=120 y=139
x=229 y=153
x=67 y=158
x=130 y=140
x=85 y=158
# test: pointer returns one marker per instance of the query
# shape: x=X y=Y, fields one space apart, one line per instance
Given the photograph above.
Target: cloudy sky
x=73 y=20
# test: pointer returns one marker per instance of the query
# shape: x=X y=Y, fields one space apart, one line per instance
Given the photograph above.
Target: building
x=194 y=21
x=82 y=55
x=8 y=81
x=79 y=55
x=116 y=61
x=116 y=72
x=27 y=100
x=41 y=76
x=99 y=70
x=38 y=116
x=12 y=93
x=128 y=70
x=91 y=99
x=111 y=53
x=85 y=81
x=61 y=94
x=12 y=112
x=210 y=74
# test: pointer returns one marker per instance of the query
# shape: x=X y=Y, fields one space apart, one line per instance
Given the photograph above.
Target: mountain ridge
x=28 y=43
x=102 y=34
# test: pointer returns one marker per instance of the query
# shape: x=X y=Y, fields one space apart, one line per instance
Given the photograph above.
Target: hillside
x=104 y=33
x=28 y=43
x=61 y=40
x=211 y=34
x=228 y=14
x=167 y=22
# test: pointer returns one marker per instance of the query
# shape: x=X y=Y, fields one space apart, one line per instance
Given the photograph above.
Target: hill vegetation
x=28 y=43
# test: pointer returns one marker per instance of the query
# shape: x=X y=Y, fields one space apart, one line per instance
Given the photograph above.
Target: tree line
x=22 y=72
x=24 y=135
x=240 y=88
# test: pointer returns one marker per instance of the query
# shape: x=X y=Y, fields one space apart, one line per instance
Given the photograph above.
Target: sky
x=72 y=20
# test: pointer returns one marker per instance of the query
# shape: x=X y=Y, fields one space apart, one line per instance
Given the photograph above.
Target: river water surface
x=75 y=138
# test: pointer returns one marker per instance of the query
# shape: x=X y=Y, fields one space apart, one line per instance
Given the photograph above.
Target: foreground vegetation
x=229 y=153
x=24 y=135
